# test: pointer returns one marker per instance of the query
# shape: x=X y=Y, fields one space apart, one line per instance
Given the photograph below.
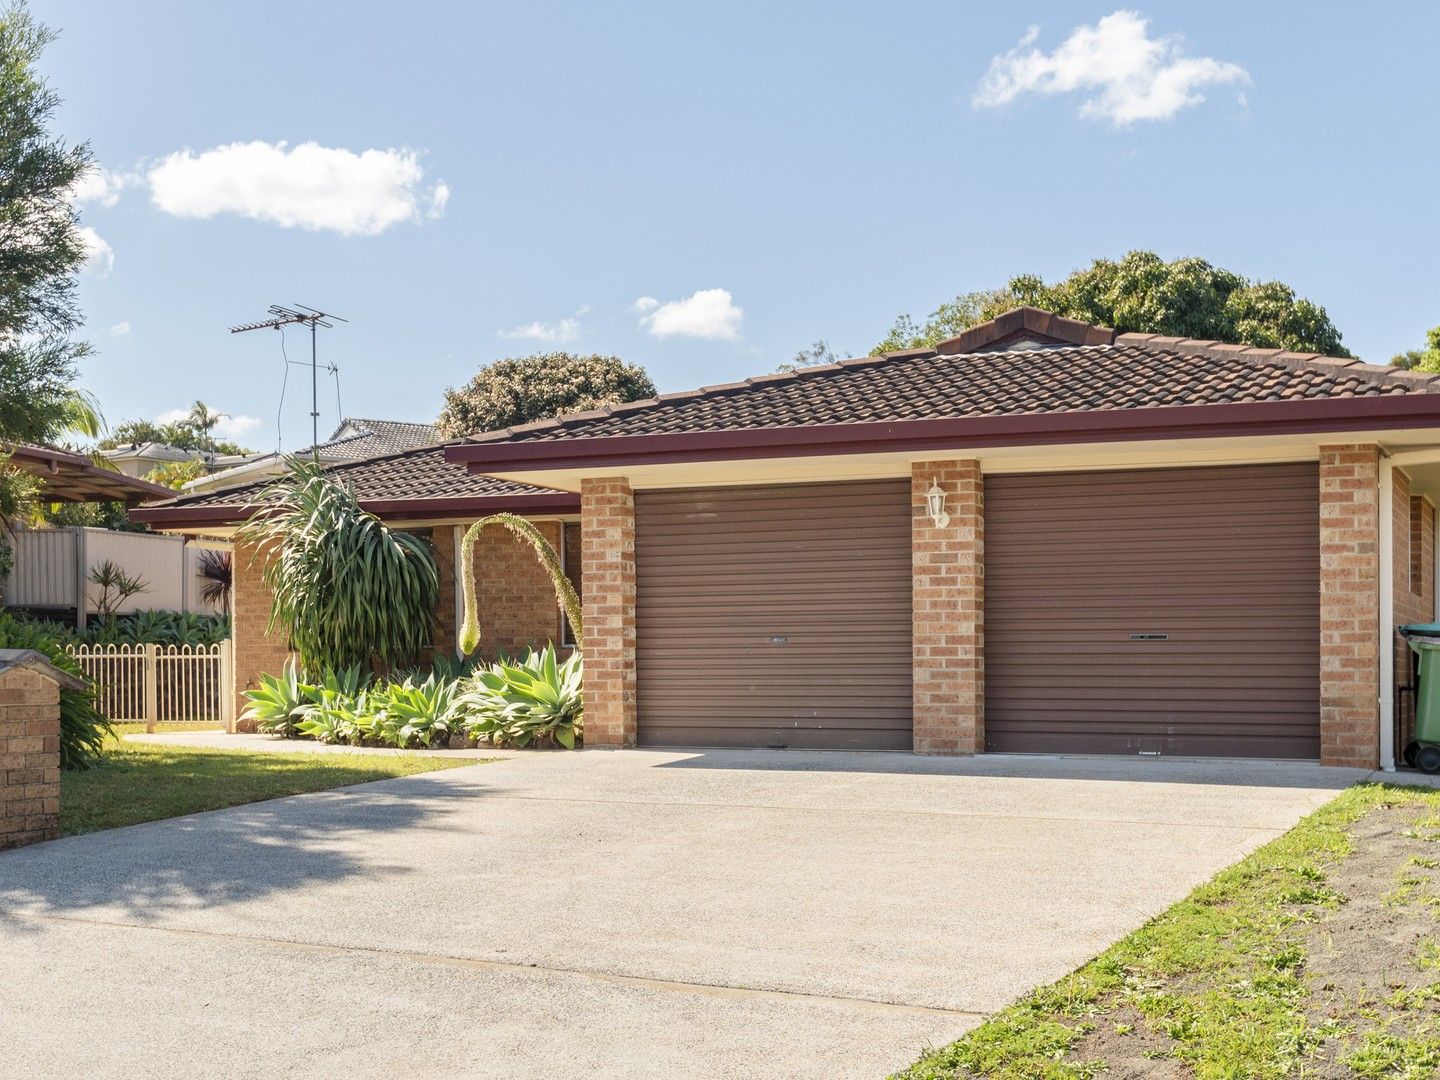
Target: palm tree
x=569 y=600
x=204 y=419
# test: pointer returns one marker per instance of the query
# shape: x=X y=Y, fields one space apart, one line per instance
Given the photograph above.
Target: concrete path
x=623 y=914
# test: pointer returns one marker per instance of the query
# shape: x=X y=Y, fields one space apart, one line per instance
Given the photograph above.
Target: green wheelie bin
x=1423 y=752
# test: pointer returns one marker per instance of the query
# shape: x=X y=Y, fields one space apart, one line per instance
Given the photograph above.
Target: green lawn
x=138 y=782
x=1318 y=955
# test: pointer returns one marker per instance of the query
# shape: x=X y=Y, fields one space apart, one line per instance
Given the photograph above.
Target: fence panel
x=46 y=569
x=157 y=684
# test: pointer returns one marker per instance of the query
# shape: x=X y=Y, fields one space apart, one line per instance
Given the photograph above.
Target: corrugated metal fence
x=161 y=684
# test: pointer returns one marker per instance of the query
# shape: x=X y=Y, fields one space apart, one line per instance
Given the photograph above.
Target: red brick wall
x=607 y=513
x=446 y=621
x=29 y=758
x=256 y=651
x=1349 y=605
x=948 y=610
x=518 y=605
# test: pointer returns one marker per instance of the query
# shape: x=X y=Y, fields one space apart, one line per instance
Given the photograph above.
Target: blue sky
x=764 y=174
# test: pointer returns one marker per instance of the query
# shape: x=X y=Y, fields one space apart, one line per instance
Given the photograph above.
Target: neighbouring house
x=49 y=566
x=1039 y=536
x=354 y=440
x=142 y=458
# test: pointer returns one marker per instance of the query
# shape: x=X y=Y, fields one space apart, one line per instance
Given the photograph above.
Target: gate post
x=227 y=684
x=152 y=687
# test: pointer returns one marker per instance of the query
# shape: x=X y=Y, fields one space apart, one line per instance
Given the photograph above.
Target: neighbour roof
x=1059 y=366
x=357 y=438
x=67 y=476
x=414 y=483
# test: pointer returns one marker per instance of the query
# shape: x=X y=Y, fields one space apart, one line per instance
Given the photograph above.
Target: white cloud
x=1130 y=75
x=229 y=427
x=307 y=186
x=120 y=329
x=101 y=186
x=99 y=255
x=707 y=313
x=556 y=333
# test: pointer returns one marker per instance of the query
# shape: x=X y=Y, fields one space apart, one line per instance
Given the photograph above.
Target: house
x=1039 y=536
x=140 y=459
x=354 y=440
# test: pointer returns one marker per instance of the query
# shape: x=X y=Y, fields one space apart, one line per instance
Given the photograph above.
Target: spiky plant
x=569 y=600
x=346 y=587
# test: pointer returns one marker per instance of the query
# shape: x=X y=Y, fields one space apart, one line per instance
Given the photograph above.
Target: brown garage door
x=1172 y=611
x=774 y=616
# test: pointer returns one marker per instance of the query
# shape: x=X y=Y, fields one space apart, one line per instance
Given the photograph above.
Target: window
x=570 y=562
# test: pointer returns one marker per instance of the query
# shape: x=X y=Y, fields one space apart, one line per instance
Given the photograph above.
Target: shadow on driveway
x=146 y=872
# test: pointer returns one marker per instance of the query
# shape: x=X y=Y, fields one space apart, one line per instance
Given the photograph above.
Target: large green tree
x=192 y=432
x=522 y=389
x=1142 y=293
x=1424 y=359
x=41 y=252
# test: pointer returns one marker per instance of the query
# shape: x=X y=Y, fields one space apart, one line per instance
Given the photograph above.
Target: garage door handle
x=1149 y=637
x=779 y=639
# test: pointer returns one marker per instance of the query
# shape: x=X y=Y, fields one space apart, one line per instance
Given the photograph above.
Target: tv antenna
x=282 y=317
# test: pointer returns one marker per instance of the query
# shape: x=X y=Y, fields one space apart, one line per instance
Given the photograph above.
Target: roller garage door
x=1172 y=611
x=774 y=616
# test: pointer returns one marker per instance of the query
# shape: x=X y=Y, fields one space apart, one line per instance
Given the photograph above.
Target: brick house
x=1039 y=536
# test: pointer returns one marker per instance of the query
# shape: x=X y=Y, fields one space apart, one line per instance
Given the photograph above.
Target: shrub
x=532 y=700
x=278 y=704
x=83 y=728
x=422 y=713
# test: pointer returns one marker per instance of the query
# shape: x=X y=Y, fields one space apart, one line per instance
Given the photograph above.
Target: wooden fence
x=162 y=684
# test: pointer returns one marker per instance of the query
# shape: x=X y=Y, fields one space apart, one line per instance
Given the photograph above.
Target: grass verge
x=137 y=782
x=1217 y=986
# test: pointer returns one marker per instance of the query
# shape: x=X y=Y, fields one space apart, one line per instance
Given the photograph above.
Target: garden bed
x=1317 y=956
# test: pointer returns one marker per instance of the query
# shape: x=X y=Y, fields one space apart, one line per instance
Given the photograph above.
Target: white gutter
x=1386 y=510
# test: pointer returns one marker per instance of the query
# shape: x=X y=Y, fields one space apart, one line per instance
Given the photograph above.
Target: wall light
x=935 y=502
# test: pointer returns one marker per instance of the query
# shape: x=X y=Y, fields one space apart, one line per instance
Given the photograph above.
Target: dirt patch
x=1374 y=964
x=1129 y=1049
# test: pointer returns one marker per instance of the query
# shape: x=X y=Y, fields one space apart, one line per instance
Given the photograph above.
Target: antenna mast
x=308 y=316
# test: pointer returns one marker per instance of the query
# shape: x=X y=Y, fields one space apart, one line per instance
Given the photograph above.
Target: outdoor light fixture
x=935 y=501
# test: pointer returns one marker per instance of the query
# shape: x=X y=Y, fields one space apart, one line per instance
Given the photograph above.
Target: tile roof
x=409 y=475
x=374 y=437
x=965 y=377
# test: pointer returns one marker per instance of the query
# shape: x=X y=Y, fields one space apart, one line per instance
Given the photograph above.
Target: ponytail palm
x=346 y=587
x=569 y=600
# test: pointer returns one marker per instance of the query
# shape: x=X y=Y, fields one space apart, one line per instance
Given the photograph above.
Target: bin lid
x=1426 y=628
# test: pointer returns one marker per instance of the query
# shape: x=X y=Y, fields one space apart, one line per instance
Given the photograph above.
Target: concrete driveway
x=625 y=914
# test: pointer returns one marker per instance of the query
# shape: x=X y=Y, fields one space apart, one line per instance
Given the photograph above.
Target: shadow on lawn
x=147 y=872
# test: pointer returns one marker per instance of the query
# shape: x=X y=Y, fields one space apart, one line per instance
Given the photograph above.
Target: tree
x=521 y=389
x=1142 y=293
x=193 y=432
x=203 y=419
x=176 y=474
x=814 y=356
x=1426 y=359
x=41 y=252
x=346 y=587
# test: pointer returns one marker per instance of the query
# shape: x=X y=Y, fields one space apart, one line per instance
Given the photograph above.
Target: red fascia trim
x=195 y=517
x=1042 y=429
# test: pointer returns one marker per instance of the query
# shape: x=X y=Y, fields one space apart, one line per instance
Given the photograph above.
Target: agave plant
x=533 y=700
x=422 y=713
x=279 y=703
x=469 y=636
x=336 y=718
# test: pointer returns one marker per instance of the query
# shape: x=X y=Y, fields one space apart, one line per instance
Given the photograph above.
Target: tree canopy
x=192 y=432
x=522 y=389
x=1425 y=359
x=1142 y=293
x=41 y=251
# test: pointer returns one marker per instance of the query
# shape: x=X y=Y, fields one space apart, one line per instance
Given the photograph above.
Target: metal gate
x=161 y=684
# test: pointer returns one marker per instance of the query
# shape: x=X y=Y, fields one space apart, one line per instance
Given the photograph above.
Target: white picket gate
x=162 y=684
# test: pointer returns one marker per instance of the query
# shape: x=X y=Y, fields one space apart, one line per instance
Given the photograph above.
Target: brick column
x=256 y=651
x=1349 y=606
x=29 y=751
x=948 y=609
x=607 y=525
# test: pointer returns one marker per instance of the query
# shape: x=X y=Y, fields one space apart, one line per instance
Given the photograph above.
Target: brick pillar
x=607 y=524
x=29 y=755
x=1349 y=606
x=256 y=651
x=948 y=609
x=442 y=538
